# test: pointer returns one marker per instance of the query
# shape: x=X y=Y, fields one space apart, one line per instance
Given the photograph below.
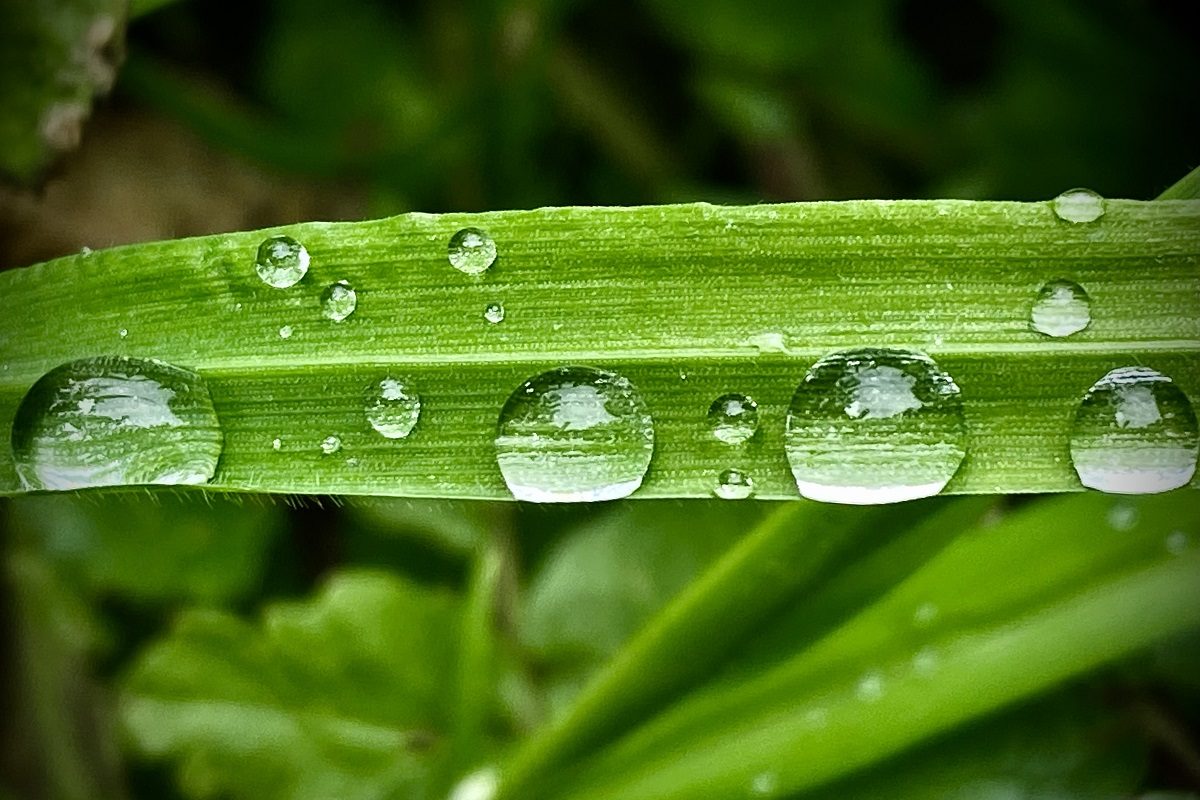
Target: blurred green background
x=232 y=115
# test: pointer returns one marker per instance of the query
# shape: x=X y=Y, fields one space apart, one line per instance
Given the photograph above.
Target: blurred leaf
x=55 y=56
x=1063 y=748
x=339 y=696
x=154 y=548
x=457 y=527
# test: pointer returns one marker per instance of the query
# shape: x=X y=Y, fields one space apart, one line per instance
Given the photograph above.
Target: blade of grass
x=1039 y=598
x=687 y=301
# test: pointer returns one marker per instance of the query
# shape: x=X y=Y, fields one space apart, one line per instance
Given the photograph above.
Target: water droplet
x=733 y=418
x=494 y=313
x=123 y=332
x=281 y=261
x=574 y=434
x=330 y=445
x=869 y=687
x=112 y=421
x=472 y=251
x=764 y=784
x=1123 y=517
x=1078 y=205
x=480 y=785
x=85 y=251
x=925 y=661
x=285 y=332
x=277 y=443
x=1178 y=543
x=874 y=426
x=925 y=614
x=733 y=484
x=338 y=301
x=1134 y=433
x=1062 y=308
x=392 y=408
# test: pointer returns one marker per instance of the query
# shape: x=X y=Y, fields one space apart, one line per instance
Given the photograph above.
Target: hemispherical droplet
x=733 y=418
x=869 y=687
x=574 y=434
x=277 y=443
x=1134 y=433
x=1078 y=206
x=874 y=426
x=281 y=261
x=113 y=421
x=330 y=445
x=285 y=332
x=472 y=251
x=1123 y=517
x=1178 y=543
x=1061 y=308
x=392 y=408
x=338 y=301
x=494 y=313
x=733 y=484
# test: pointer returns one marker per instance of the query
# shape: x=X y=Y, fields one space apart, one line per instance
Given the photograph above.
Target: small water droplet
x=123 y=332
x=574 y=434
x=285 y=332
x=764 y=784
x=85 y=251
x=1135 y=432
x=480 y=785
x=925 y=662
x=338 y=301
x=471 y=251
x=1062 y=308
x=276 y=443
x=392 y=408
x=733 y=418
x=494 y=313
x=925 y=614
x=1178 y=543
x=733 y=484
x=874 y=426
x=330 y=445
x=1078 y=206
x=281 y=261
x=1122 y=517
x=112 y=421
x=869 y=687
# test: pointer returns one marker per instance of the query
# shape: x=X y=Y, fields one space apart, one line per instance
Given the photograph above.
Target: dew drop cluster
x=866 y=425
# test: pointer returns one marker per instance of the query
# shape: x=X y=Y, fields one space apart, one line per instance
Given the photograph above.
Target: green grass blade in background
x=1001 y=614
x=688 y=302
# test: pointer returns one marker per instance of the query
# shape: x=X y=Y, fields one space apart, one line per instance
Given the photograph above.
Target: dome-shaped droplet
x=330 y=445
x=1134 y=433
x=114 y=421
x=494 y=313
x=1078 y=206
x=574 y=434
x=281 y=261
x=392 y=408
x=1061 y=308
x=733 y=484
x=874 y=426
x=338 y=301
x=472 y=251
x=733 y=418
x=285 y=332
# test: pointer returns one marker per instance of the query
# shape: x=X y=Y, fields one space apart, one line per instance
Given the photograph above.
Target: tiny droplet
x=392 y=408
x=338 y=301
x=330 y=445
x=494 y=313
x=733 y=484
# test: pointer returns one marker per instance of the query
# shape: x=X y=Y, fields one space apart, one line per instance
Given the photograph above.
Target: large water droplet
x=112 y=421
x=281 y=261
x=574 y=434
x=733 y=418
x=392 y=408
x=1134 y=433
x=874 y=426
x=733 y=484
x=1078 y=205
x=494 y=313
x=338 y=301
x=472 y=251
x=1062 y=308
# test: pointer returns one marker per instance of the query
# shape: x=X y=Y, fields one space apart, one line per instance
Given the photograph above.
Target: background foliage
x=182 y=647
